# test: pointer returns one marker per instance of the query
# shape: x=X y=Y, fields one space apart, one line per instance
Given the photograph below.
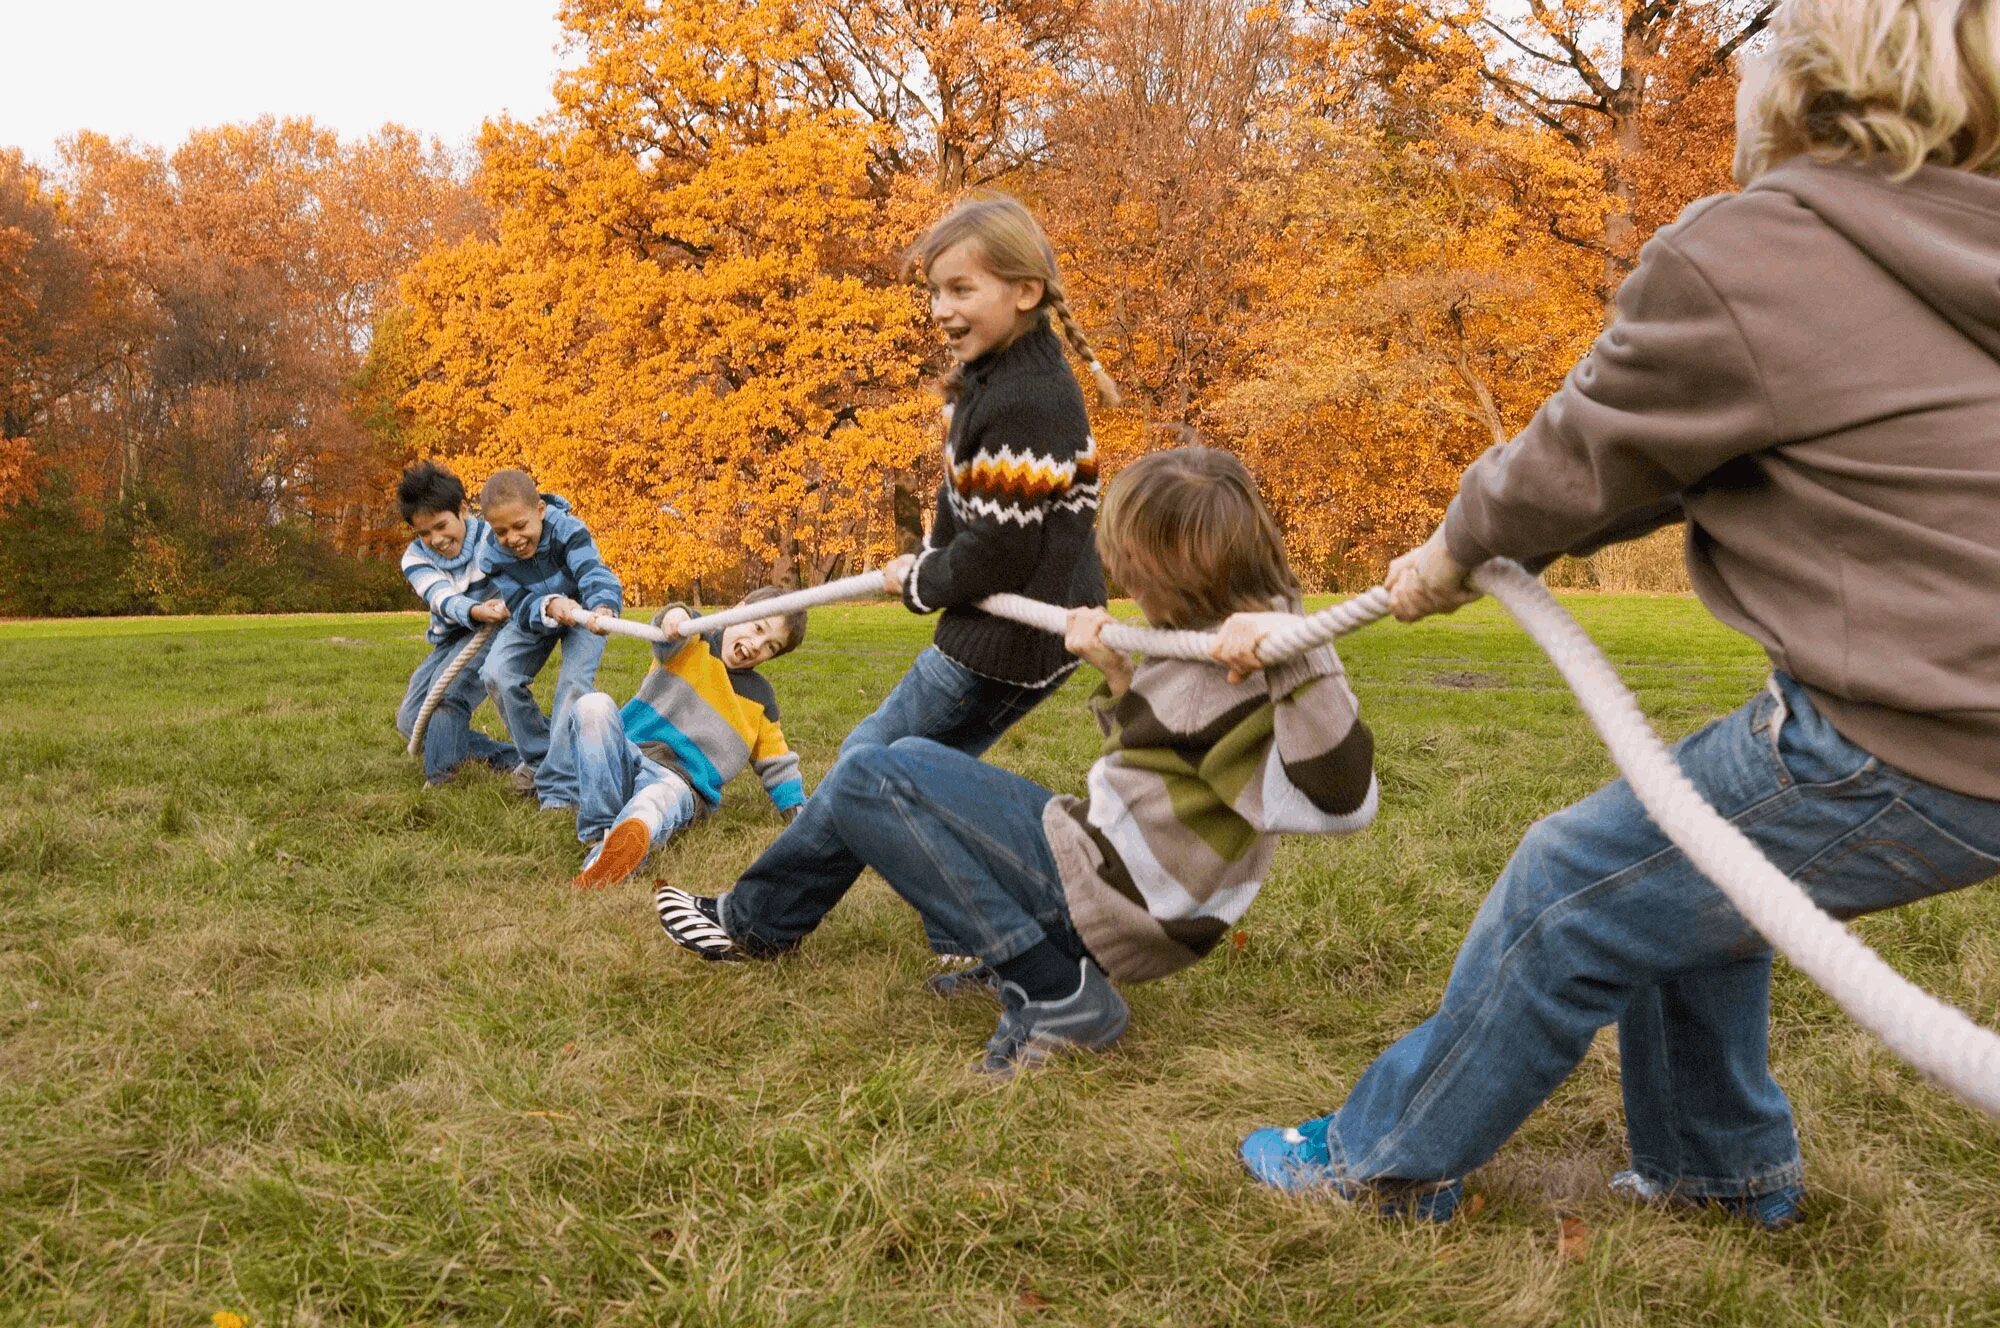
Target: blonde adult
x=1808 y=374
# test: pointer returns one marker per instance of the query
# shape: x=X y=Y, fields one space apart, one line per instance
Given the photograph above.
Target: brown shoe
x=617 y=857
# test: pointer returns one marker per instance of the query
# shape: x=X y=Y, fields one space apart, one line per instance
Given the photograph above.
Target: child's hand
x=561 y=609
x=895 y=570
x=671 y=620
x=1427 y=580
x=598 y=620
x=1083 y=636
x=1236 y=641
x=491 y=611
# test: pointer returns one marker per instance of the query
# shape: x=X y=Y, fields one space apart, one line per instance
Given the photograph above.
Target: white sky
x=155 y=69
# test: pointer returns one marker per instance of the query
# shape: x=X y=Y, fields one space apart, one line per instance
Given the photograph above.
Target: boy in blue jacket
x=442 y=566
x=545 y=564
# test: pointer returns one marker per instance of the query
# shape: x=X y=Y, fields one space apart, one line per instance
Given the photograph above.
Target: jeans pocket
x=1808 y=751
x=1897 y=856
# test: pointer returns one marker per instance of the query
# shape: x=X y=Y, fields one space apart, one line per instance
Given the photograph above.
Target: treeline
x=1355 y=242
x=182 y=351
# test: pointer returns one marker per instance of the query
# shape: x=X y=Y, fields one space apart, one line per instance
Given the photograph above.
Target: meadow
x=284 y=1034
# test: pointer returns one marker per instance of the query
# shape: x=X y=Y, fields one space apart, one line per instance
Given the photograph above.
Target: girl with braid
x=1015 y=513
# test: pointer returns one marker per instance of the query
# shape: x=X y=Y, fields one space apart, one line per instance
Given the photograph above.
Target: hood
x=1938 y=232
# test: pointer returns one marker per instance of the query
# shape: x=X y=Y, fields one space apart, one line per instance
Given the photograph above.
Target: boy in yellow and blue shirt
x=701 y=715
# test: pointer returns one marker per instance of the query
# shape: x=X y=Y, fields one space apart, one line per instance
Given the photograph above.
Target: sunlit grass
x=284 y=1034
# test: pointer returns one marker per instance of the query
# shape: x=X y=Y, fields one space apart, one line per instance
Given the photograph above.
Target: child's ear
x=1028 y=293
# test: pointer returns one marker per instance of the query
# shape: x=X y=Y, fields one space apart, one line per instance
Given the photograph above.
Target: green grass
x=285 y=1034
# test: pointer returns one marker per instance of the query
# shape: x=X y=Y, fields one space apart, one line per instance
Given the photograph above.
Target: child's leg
x=1593 y=911
x=469 y=690
x=445 y=734
x=961 y=841
x=581 y=652
x=790 y=886
x=419 y=686
x=508 y=675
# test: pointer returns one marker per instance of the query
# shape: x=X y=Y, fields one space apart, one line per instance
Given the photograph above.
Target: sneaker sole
x=624 y=849
x=690 y=928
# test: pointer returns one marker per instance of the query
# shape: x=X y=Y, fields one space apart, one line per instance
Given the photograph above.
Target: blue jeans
x=509 y=675
x=1598 y=918
x=449 y=738
x=960 y=840
x=597 y=770
x=809 y=867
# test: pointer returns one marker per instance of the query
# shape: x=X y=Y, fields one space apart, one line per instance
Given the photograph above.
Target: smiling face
x=517 y=526
x=977 y=311
x=746 y=645
x=443 y=533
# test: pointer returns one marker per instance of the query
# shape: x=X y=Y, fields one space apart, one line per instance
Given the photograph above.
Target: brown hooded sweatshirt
x=1809 y=372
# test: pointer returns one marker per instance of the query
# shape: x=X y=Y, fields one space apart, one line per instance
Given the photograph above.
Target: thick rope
x=1929 y=1034
x=443 y=684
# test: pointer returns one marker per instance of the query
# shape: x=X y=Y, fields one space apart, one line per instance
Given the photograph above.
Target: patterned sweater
x=565 y=562
x=450 y=587
x=1198 y=778
x=1014 y=514
x=696 y=715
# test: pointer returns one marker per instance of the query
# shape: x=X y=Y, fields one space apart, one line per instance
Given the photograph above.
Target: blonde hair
x=1896 y=82
x=1013 y=248
x=1188 y=527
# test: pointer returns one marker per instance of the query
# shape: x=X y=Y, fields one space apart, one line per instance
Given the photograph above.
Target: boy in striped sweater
x=1202 y=769
x=701 y=715
x=545 y=564
x=442 y=566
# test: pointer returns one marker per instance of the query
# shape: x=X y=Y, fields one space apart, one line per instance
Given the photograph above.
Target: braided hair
x=1013 y=248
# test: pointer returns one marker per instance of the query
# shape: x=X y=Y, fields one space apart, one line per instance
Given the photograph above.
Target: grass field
x=284 y=1034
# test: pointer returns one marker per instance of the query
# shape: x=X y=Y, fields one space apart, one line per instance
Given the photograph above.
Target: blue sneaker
x=1296 y=1160
x=1773 y=1210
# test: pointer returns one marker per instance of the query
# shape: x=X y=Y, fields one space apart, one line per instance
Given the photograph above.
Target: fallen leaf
x=1474 y=1206
x=1572 y=1238
x=1031 y=1299
x=1240 y=941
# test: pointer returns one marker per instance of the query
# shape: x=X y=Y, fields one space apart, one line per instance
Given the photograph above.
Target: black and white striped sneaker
x=693 y=922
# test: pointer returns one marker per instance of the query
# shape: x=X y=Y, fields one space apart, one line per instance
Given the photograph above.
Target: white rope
x=1934 y=1037
x=1929 y=1034
x=443 y=684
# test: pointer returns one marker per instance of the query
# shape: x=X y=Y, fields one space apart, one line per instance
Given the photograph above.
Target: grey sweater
x=1809 y=372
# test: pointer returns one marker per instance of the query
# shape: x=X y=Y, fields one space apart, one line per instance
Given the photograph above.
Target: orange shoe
x=617 y=857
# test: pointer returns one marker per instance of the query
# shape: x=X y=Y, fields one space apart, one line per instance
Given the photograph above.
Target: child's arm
x=1317 y=775
x=1008 y=498
x=778 y=767
x=597 y=586
x=434 y=588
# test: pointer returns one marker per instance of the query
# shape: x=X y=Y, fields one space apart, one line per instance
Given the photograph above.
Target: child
x=701 y=715
x=1202 y=770
x=1809 y=372
x=545 y=564
x=1014 y=513
x=442 y=566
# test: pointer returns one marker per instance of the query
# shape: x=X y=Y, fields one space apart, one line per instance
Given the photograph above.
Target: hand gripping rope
x=1932 y=1036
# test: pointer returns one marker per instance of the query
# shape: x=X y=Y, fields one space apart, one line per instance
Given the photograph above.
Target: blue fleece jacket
x=565 y=562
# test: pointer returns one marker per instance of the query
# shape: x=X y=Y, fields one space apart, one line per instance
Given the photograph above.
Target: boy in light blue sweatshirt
x=442 y=566
x=544 y=563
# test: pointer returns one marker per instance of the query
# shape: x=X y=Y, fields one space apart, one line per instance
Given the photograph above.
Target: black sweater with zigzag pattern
x=1015 y=512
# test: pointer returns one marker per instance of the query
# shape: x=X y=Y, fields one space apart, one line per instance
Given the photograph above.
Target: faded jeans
x=449 y=738
x=791 y=886
x=598 y=770
x=509 y=675
x=1597 y=918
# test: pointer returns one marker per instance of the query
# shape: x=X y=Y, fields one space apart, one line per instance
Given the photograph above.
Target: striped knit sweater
x=451 y=588
x=1198 y=778
x=565 y=562
x=1014 y=514
x=698 y=716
